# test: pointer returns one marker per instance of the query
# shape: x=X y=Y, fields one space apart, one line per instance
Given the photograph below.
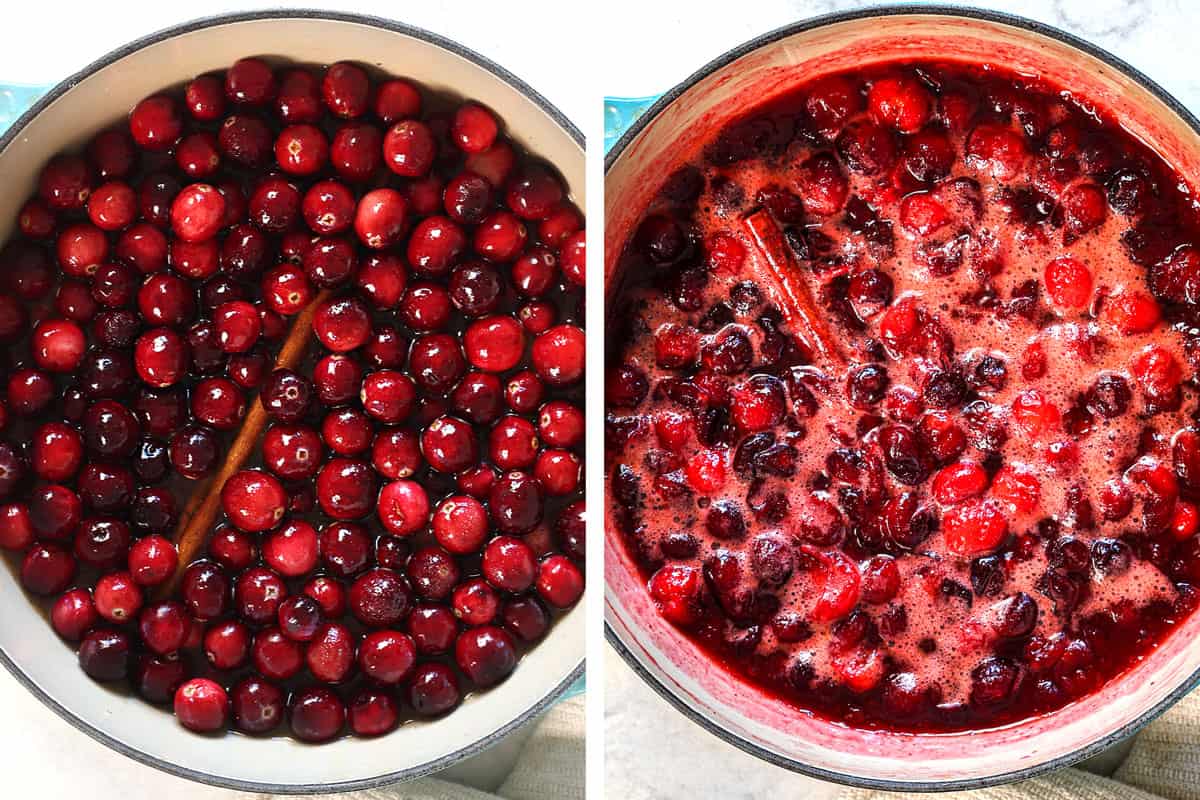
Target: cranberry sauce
x=983 y=507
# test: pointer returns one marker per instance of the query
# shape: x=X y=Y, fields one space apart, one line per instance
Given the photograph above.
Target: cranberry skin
x=434 y=572
x=155 y=123
x=500 y=236
x=29 y=391
x=560 y=424
x=58 y=345
x=342 y=324
x=509 y=564
x=494 y=344
x=152 y=560
x=435 y=244
x=380 y=598
x=301 y=150
x=57 y=451
x=345 y=548
x=253 y=500
x=409 y=149
x=357 y=151
x=257 y=595
x=161 y=357
x=372 y=713
x=118 y=599
x=573 y=258
x=329 y=594
x=245 y=140
x=274 y=205
x=102 y=543
x=460 y=524
x=65 y=183
x=250 y=81
x=515 y=503
x=396 y=453
x=346 y=90
x=36 y=220
x=55 y=512
x=205 y=590
x=347 y=431
x=558 y=355
x=425 y=307
x=202 y=705
x=292 y=452
x=104 y=655
x=299 y=98
x=166 y=299
x=337 y=379
x=16 y=529
x=276 y=656
x=257 y=706
x=534 y=194
x=403 y=507
x=164 y=627
x=112 y=206
x=387 y=656
x=194 y=452
x=330 y=655
x=525 y=618
x=81 y=249
x=219 y=403
x=234 y=549
x=205 y=98
x=388 y=396
x=73 y=614
x=475 y=602
x=197 y=213
x=433 y=690
x=449 y=445
x=486 y=655
x=559 y=582
x=317 y=714
x=381 y=218
x=292 y=551
x=287 y=396
x=396 y=99
x=346 y=488
x=300 y=618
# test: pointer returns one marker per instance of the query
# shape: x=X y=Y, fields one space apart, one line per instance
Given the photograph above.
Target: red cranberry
x=388 y=396
x=372 y=713
x=403 y=507
x=525 y=618
x=409 y=149
x=205 y=590
x=515 y=503
x=194 y=452
x=434 y=572
x=275 y=655
x=198 y=155
x=202 y=705
x=317 y=714
x=346 y=488
x=257 y=594
x=118 y=599
x=449 y=445
x=253 y=500
x=508 y=564
x=104 y=655
x=257 y=706
x=57 y=451
x=558 y=355
x=155 y=123
x=152 y=560
x=164 y=627
x=301 y=150
x=380 y=598
x=486 y=655
x=346 y=90
x=74 y=614
x=299 y=97
x=357 y=151
x=292 y=551
x=396 y=99
x=16 y=529
x=342 y=324
x=500 y=236
x=300 y=618
x=433 y=690
x=345 y=548
x=435 y=244
x=425 y=307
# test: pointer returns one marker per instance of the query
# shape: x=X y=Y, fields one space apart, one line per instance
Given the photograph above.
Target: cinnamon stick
x=796 y=301
x=202 y=507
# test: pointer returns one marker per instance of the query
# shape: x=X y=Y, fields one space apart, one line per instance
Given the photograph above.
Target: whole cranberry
x=155 y=123
x=559 y=581
x=558 y=355
x=434 y=572
x=387 y=656
x=380 y=598
x=293 y=549
x=253 y=500
x=317 y=714
x=403 y=507
x=257 y=706
x=227 y=645
x=157 y=679
x=330 y=654
x=257 y=595
x=329 y=594
x=152 y=559
x=449 y=445
x=409 y=149
x=104 y=655
x=486 y=655
x=300 y=618
x=515 y=503
x=164 y=627
x=509 y=564
x=372 y=713
x=287 y=395
x=345 y=548
x=346 y=488
x=525 y=618
x=202 y=705
x=198 y=212
x=342 y=324
x=275 y=655
x=346 y=90
x=205 y=590
x=433 y=690
x=381 y=218
x=74 y=614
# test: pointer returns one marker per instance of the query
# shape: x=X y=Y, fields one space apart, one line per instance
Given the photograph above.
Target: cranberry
x=155 y=123
x=403 y=507
x=164 y=627
x=396 y=99
x=330 y=654
x=449 y=445
x=559 y=581
x=253 y=500
x=152 y=560
x=500 y=236
x=433 y=690
x=73 y=614
x=409 y=149
x=379 y=598
x=372 y=713
x=317 y=714
x=342 y=324
x=104 y=655
x=194 y=452
x=118 y=599
x=434 y=572
x=257 y=706
x=227 y=645
x=356 y=151
x=301 y=150
x=486 y=655
x=346 y=488
x=292 y=550
x=202 y=705
x=558 y=355
x=388 y=396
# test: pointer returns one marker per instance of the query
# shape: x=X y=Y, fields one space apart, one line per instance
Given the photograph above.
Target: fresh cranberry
x=74 y=614
x=257 y=706
x=346 y=488
x=253 y=500
x=433 y=690
x=202 y=705
x=409 y=149
x=487 y=655
x=317 y=714
x=104 y=655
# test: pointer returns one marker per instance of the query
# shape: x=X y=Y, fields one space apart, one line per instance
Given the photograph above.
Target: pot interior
x=103 y=98
x=726 y=704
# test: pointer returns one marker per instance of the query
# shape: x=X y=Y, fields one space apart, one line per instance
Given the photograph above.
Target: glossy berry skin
x=316 y=715
x=487 y=654
x=253 y=500
x=202 y=705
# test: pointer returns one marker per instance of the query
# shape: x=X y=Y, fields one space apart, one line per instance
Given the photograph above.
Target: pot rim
x=213 y=21
x=611 y=634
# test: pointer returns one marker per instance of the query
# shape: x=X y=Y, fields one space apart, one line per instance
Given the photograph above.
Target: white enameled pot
x=100 y=96
x=667 y=136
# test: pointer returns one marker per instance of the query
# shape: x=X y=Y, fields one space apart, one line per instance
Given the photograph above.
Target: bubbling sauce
x=984 y=508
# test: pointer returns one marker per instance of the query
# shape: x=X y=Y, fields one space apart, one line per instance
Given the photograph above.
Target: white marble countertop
x=652 y=751
x=42 y=755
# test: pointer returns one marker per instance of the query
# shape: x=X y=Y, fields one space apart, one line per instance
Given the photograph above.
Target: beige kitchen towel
x=551 y=767
x=1164 y=763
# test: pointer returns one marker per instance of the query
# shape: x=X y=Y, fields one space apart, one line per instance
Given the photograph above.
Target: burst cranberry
x=403 y=507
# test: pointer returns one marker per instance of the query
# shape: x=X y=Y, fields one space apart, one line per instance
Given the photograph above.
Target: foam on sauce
x=1078 y=345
